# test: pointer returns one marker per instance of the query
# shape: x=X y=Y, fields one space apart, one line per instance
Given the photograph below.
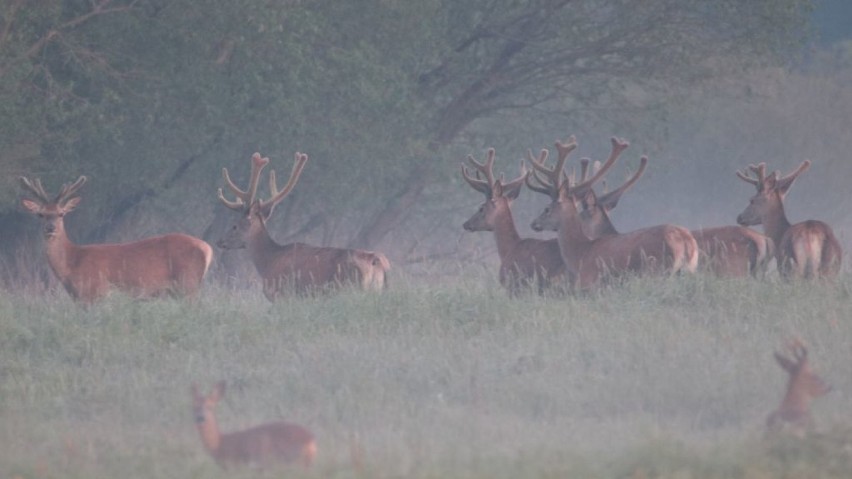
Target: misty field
x=435 y=378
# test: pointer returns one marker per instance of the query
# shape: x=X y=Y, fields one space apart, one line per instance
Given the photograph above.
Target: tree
x=569 y=55
x=151 y=98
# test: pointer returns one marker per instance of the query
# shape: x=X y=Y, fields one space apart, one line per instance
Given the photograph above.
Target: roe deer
x=591 y=260
x=803 y=250
x=726 y=251
x=168 y=264
x=803 y=386
x=263 y=445
x=523 y=262
x=299 y=266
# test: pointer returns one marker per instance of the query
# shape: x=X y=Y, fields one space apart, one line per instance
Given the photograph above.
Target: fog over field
x=442 y=373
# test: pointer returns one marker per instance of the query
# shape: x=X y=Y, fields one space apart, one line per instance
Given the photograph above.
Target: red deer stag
x=727 y=251
x=269 y=444
x=591 y=260
x=803 y=386
x=804 y=250
x=297 y=266
x=523 y=262
x=170 y=264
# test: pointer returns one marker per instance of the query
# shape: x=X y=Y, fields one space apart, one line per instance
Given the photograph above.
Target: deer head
x=204 y=406
x=255 y=212
x=498 y=195
x=555 y=183
x=769 y=199
x=51 y=211
x=803 y=386
x=595 y=208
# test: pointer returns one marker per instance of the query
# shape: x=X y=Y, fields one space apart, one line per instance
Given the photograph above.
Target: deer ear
x=770 y=182
x=513 y=193
x=264 y=211
x=31 y=206
x=610 y=200
x=785 y=363
x=589 y=199
x=70 y=204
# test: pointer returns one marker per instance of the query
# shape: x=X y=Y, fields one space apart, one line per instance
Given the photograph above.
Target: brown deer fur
x=263 y=445
x=803 y=250
x=803 y=385
x=297 y=267
x=726 y=251
x=591 y=260
x=524 y=262
x=170 y=264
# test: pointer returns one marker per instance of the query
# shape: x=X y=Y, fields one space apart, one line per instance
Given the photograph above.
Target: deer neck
x=506 y=234
x=209 y=433
x=599 y=226
x=775 y=223
x=60 y=252
x=261 y=247
x=573 y=243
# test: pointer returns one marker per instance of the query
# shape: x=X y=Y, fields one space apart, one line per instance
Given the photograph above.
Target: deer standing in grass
x=803 y=250
x=803 y=386
x=523 y=262
x=169 y=264
x=658 y=249
x=297 y=266
x=263 y=445
x=727 y=251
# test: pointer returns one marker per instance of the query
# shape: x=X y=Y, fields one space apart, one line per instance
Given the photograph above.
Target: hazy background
x=657 y=378
x=150 y=99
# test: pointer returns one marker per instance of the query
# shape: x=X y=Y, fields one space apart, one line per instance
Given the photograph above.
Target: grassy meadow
x=436 y=378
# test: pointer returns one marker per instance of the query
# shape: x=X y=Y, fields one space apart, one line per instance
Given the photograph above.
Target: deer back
x=263 y=445
x=734 y=251
x=809 y=250
x=169 y=264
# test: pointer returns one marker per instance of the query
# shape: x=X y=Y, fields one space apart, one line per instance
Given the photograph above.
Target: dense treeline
x=151 y=99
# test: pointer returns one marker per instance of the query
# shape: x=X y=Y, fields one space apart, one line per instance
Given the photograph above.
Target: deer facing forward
x=172 y=264
x=803 y=386
x=263 y=445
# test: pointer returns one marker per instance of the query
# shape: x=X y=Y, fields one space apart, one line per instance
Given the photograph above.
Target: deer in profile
x=726 y=251
x=658 y=249
x=296 y=266
x=803 y=386
x=172 y=264
x=523 y=262
x=265 y=445
x=803 y=250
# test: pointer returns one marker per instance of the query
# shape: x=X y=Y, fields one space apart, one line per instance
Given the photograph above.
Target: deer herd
x=592 y=251
x=586 y=253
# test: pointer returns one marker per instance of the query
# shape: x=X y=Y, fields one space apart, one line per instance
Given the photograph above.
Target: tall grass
x=657 y=378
